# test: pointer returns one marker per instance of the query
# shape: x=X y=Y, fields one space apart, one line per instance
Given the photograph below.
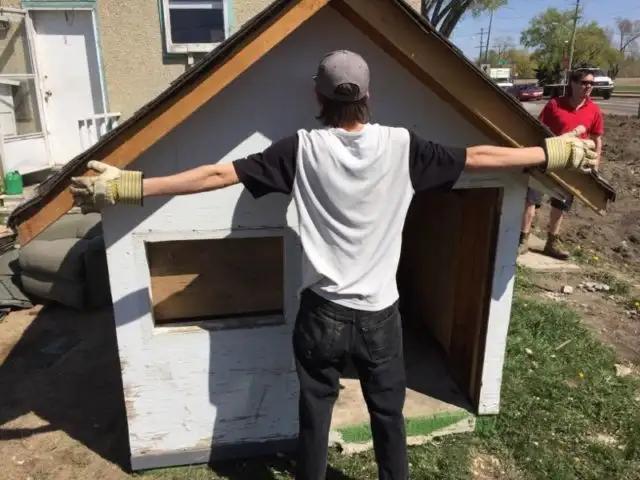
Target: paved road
x=615 y=105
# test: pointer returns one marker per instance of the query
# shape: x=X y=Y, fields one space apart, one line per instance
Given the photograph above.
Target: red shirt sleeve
x=546 y=115
x=597 y=129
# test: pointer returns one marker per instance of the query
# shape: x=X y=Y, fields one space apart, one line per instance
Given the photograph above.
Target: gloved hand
x=111 y=186
x=570 y=151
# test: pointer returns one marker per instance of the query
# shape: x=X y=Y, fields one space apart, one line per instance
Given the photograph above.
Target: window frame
x=141 y=275
x=189 y=48
x=28 y=26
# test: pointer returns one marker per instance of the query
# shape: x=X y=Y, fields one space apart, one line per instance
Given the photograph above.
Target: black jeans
x=325 y=335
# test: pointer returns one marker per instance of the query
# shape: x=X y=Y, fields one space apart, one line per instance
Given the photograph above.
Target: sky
x=511 y=19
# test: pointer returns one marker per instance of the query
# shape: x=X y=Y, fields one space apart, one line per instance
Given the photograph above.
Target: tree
x=628 y=32
x=519 y=60
x=549 y=35
x=522 y=63
x=593 y=49
x=444 y=15
x=502 y=46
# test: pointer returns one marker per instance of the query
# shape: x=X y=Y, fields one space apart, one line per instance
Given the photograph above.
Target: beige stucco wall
x=136 y=69
x=132 y=53
x=132 y=50
x=245 y=9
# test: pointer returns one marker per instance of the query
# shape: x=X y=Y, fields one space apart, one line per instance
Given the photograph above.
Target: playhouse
x=205 y=286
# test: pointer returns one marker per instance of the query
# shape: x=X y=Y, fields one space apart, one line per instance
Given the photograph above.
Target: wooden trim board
x=149 y=130
x=470 y=94
x=145 y=461
x=393 y=26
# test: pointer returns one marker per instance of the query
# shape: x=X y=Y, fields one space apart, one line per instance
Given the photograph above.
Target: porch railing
x=93 y=127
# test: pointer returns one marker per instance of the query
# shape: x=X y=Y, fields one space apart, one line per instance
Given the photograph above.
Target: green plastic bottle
x=13 y=183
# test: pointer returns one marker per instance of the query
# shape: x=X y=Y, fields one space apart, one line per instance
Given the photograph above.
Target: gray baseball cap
x=338 y=68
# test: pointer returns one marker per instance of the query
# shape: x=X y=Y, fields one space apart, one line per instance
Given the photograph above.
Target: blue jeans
x=325 y=335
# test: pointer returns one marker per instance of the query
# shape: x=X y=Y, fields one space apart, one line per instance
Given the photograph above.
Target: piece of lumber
x=169 y=114
x=437 y=65
x=215 y=278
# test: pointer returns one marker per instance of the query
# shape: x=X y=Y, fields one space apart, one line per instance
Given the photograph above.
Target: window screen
x=195 y=21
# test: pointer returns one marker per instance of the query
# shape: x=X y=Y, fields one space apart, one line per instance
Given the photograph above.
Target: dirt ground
x=616 y=236
x=61 y=405
x=606 y=244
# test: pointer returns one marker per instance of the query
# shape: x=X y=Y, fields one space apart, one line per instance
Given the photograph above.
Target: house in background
x=70 y=71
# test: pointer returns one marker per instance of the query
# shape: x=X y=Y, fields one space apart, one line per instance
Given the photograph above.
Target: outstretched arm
x=486 y=156
x=200 y=179
x=272 y=170
x=113 y=185
x=565 y=151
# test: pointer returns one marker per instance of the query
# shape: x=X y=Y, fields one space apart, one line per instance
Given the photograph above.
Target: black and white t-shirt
x=352 y=191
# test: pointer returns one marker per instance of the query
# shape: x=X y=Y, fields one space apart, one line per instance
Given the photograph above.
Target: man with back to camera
x=352 y=183
x=573 y=111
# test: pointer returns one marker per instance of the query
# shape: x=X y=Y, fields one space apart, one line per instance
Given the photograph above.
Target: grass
x=564 y=415
x=414 y=426
x=633 y=304
x=617 y=286
x=627 y=89
x=585 y=256
x=557 y=403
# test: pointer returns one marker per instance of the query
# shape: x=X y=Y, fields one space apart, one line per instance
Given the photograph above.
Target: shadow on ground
x=65 y=369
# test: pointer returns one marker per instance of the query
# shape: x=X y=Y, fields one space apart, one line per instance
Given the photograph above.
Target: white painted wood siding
x=189 y=390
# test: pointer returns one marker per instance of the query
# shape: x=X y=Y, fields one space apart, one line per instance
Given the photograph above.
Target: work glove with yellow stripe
x=568 y=151
x=110 y=186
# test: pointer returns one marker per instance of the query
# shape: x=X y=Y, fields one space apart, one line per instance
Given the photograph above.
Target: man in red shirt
x=574 y=111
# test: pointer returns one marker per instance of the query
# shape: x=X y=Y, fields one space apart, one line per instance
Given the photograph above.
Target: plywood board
x=446 y=270
x=215 y=278
x=475 y=251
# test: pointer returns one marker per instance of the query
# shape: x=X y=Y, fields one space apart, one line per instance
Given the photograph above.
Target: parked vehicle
x=502 y=77
x=529 y=91
x=602 y=87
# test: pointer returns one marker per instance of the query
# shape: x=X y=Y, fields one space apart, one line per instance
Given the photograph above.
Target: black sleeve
x=272 y=170
x=434 y=166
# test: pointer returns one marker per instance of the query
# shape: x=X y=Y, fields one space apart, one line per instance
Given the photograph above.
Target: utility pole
x=486 y=50
x=573 y=34
x=481 y=46
x=571 y=47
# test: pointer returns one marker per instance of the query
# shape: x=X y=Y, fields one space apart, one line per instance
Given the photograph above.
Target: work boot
x=552 y=248
x=523 y=244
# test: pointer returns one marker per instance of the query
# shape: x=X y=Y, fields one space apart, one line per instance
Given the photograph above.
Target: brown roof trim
x=157 y=118
x=437 y=64
x=382 y=20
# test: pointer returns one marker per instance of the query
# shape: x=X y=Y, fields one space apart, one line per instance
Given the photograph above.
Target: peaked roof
x=392 y=24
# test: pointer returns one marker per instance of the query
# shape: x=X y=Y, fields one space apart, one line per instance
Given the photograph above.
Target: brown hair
x=576 y=76
x=334 y=113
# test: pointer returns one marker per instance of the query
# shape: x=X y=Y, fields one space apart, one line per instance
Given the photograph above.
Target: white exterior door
x=68 y=67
